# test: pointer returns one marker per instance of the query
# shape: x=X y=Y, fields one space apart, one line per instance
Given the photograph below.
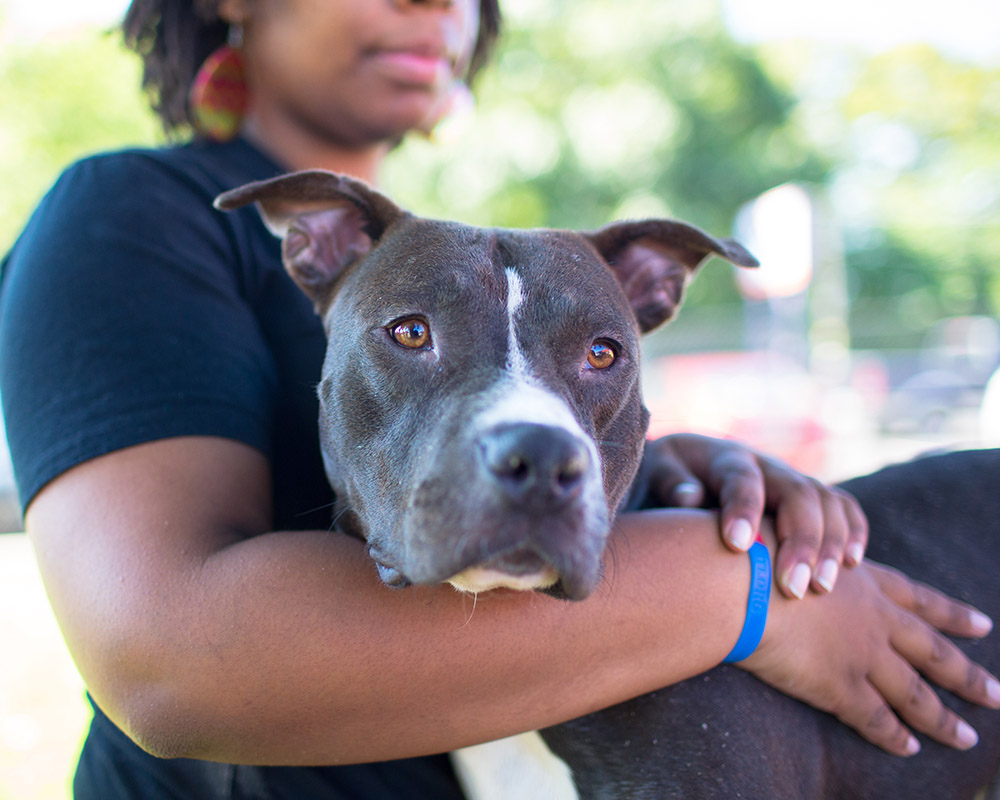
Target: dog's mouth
x=567 y=570
x=522 y=569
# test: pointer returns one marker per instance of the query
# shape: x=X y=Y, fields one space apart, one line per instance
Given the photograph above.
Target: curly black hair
x=174 y=37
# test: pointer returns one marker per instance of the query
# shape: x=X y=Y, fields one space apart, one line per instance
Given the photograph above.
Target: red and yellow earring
x=218 y=98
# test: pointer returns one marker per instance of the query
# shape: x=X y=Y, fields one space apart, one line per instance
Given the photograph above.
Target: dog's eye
x=412 y=332
x=602 y=355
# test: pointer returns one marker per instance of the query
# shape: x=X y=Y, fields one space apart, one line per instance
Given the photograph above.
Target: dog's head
x=481 y=417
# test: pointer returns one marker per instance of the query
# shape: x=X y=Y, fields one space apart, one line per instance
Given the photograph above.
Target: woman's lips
x=414 y=68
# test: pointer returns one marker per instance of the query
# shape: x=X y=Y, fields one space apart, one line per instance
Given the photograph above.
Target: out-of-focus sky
x=42 y=16
x=966 y=29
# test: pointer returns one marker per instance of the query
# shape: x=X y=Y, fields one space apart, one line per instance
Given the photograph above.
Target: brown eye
x=601 y=355
x=412 y=332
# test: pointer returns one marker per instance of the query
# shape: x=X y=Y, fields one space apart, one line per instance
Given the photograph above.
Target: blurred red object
x=763 y=399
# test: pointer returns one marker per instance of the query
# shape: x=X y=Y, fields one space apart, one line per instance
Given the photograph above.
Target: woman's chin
x=395 y=128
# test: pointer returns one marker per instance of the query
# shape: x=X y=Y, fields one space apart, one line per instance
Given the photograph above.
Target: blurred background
x=854 y=148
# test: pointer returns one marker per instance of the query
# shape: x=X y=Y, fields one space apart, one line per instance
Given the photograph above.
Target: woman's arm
x=201 y=634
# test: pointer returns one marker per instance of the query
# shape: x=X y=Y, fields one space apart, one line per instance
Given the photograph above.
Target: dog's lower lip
x=519 y=562
x=484 y=579
x=522 y=569
x=391 y=576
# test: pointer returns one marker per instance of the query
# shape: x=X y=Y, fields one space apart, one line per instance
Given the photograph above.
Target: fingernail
x=686 y=489
x=980 y=622
x=798 y=581
x=912 y=746
x=855 y=553
x=826 y=576
x=965 y=734
x=993 y=691
x=740 y=534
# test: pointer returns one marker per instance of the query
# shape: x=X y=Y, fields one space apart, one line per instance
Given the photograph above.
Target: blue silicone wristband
x=760 y=594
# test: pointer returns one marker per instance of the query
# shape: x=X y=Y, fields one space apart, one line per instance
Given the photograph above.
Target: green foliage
x=63 y=99
x=916 y=183
x=941 y=201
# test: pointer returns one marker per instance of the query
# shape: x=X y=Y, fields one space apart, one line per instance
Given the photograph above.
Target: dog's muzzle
x=537 y=475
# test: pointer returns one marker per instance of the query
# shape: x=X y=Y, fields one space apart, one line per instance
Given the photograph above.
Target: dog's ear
x=326 y=221
x=654 y=259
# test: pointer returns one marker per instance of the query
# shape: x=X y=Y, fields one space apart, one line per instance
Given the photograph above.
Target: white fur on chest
x=516 y=768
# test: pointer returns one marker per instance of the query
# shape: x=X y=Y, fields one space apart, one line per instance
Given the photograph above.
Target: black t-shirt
x=130 y=311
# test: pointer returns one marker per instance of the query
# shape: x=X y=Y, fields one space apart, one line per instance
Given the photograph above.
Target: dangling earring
x=446 y=121
x=218 y=97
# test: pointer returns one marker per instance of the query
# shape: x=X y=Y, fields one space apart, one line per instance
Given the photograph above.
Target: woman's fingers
x=906 y=691
x=820 y=528
x=672 y=483
x=802 y=528
x=833 y=548
x=935 y=608
x=857 y=529
x=897 y=694
x=941 y=661
x=870 y=715
x=739 y=483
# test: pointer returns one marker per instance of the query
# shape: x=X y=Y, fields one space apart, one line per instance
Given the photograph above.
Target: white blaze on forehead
x=515 y=290
x=522 y=396
x=516 y=361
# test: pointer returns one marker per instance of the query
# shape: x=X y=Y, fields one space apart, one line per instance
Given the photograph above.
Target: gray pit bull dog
x=487 y=426
x=488 y=422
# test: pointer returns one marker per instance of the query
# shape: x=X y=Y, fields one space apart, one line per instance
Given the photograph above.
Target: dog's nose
x=539 y=467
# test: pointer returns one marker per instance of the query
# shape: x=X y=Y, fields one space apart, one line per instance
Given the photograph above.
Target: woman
x=157 y=373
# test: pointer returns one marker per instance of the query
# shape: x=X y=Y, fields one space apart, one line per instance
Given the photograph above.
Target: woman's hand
x=819 y=527
x=860 y=654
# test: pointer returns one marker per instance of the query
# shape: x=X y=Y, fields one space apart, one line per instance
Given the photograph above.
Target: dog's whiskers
x=612 y=547
x=475 y=599
x=309 y=511
x=461 y=542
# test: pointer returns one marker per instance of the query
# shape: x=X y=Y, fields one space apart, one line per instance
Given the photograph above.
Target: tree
x=63 y=99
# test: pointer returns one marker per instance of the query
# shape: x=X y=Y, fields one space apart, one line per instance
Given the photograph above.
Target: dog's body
x=481 y=424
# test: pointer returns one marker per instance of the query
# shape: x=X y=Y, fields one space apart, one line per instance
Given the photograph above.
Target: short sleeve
x=124 y=319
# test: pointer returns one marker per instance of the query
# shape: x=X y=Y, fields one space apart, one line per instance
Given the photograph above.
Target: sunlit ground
x=43 y=713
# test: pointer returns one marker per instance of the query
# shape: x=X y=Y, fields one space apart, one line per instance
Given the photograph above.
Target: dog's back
x=727 y=735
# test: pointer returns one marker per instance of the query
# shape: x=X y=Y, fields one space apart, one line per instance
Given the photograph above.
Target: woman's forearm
x=307 y=658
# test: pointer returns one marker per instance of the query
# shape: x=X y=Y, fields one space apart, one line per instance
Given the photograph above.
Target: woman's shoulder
x=158 y=198
x=195 y=170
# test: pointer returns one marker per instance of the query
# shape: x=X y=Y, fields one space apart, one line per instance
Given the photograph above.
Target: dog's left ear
x=654 y=259
x=327 y=223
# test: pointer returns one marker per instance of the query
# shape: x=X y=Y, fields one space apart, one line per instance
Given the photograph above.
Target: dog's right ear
x=653 y=260
x=327 y=222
